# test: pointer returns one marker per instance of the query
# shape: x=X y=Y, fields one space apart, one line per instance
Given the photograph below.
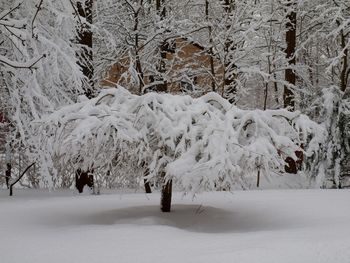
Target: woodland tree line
x=271 y=54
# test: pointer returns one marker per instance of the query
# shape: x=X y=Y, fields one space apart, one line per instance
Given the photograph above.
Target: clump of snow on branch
x=200 y=143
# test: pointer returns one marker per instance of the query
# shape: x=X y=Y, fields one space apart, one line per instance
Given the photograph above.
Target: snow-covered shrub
x=200 y=143
x=328 y=164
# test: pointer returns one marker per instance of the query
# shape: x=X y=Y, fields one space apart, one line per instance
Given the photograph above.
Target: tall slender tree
x=85 y=40
x=230 y=67
x=290 y=76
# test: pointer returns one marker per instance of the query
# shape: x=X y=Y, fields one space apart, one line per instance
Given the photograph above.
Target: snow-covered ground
x=246 y=226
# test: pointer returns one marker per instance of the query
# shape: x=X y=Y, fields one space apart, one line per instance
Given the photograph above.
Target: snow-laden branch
x=18 y=24
x=21 y=65
x=7 y=12
x=202 y=143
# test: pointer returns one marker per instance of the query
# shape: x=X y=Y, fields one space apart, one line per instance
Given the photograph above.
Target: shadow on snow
x=192 y=218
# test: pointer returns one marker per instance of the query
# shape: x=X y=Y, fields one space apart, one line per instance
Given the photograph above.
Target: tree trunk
x=8 y=175
x=230 y=87
x=137 y=55
x=258 y=179
x=344 y=129
x=344 y=75
x=163 y=51
x=147 y=185
x=344 y=118
x=290 y=77
x=148 y=189
x=85 y=39
x=165 y=202
x=83 y=178
x=211 y=50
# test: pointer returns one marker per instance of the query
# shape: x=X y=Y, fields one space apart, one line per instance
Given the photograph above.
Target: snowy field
x=245 y=226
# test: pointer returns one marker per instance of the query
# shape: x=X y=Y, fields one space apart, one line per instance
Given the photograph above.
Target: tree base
x=148 y=189
x=165 y=202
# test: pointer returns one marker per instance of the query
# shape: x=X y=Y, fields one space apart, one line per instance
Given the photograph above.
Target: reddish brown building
x=188 y=65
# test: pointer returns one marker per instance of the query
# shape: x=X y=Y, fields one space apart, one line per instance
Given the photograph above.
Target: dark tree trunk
x=83 y=178
x=290 y=77
x=163 y=47
x=230 y=87
x=85 y=39
x=148 y=189
x=344 y=118
x=147 y=185
x=136 y=48
x=8 y=175
x=291 y=166
x=165 y=202
x=211 y=50
x=275 y=85
x=344 y=75
x=344 y=128
x=258 y=179
x=162 y=68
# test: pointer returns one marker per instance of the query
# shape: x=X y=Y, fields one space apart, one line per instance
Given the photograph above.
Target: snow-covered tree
x=330 y=162
x=327 y=46
x=39 y=69
x=198 y=144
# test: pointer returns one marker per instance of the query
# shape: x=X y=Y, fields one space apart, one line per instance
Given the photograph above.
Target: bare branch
x=38 y=7
x=11 y=11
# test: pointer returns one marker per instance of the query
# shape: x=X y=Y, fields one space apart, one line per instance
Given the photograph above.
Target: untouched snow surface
x=246 y=226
